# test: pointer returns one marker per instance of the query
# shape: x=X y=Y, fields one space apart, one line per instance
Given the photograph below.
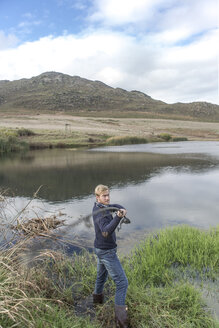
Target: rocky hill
x=61 y=92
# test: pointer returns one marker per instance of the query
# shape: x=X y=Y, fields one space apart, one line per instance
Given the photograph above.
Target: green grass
x=71 y=277
x=179 y=139
x=153 y=261
x=62 y=139
x=10 y=141
x=125 y=140
x=165 y=136
x=10 y=144
x=29 y=298
x=15 y=140
x=178 y=306
x=24 y=132
x=168 y=137
x=56 y=317
x=160 y=271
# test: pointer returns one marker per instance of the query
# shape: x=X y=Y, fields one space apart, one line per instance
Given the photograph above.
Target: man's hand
x=121 y=213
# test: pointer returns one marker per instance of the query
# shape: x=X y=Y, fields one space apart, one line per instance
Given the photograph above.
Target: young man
x=105 y=248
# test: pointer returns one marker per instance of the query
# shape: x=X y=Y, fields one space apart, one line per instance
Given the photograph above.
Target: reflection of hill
x=67 y=174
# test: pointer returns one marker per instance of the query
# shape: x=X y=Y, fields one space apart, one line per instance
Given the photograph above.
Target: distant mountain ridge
x=61 y=92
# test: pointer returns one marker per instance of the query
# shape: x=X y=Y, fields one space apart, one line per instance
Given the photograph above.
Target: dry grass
x=54 y=127
x=47 y=295
x=38 y=226
x=23 y=301
x=67 y=131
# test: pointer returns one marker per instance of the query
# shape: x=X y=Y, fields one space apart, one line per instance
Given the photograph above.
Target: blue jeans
x=108 y=263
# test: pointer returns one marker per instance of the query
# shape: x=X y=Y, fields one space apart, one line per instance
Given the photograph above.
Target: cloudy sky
x=167 y=49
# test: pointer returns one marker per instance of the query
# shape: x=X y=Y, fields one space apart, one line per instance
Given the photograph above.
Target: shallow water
x=209 y=148
x=179 y=186
x=160 y=185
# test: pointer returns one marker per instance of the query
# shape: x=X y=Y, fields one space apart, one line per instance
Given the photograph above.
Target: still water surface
x=160 y=185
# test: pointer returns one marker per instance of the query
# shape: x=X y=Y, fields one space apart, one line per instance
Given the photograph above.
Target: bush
x=179 y=139
x=165 y=136
x=126 y=140
x=11 y=144
x=25 y=132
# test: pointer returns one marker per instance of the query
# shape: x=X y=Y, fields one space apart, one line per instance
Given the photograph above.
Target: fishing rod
x=86 y=218
x=124 y=220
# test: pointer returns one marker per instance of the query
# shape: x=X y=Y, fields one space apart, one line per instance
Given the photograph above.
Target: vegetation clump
x=165 y=136
x=10 y=141
x=61 y=286
x=168 y=137
x=47 y=289
x=179 y=139
x=15 y=140
x=10 y=144
x=25 y=132
x=125 y=140
x=37 y=226
x=153 y=262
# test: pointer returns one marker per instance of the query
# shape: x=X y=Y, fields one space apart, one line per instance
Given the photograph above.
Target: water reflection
x=171 y=198
x=67 y=174
x=209 y=148
x=157 y=189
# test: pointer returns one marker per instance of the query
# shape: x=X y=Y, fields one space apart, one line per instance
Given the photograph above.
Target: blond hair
x=100 y=189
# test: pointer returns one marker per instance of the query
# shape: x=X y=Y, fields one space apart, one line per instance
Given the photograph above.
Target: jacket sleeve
x=107 y=227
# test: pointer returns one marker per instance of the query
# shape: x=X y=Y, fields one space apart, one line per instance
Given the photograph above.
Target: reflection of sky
x=172 y=198
x=71 y=211
x=184 y=147
x=165 y=195
x=168 y=198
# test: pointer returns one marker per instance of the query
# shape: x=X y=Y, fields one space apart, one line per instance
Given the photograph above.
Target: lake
x=160 y=184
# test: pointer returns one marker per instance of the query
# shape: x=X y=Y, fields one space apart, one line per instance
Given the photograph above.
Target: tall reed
x=11 y=144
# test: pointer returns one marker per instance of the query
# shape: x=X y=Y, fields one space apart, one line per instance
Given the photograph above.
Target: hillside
x=53 y=91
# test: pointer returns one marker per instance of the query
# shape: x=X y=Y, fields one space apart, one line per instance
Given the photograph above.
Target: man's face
x=104 y=198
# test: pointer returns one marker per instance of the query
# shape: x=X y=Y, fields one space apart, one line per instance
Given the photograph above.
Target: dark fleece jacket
x=105 y=225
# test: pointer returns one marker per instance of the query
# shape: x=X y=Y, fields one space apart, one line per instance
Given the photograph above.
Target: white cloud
x=195 y=16
x=119 y=12
x=176 y=19
x=110 y=76
x=172 y=55
x=170 y=74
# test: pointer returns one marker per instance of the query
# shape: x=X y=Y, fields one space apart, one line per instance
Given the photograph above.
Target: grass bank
x=14 y=140
x=10 y=141
x=131 y=140
x=22 y=139
x=52 y=290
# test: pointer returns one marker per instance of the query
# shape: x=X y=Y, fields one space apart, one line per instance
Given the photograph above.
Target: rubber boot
x=98 y=298
x=121 y=316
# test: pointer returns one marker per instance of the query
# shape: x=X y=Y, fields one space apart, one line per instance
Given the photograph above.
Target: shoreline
x=67 y=131
x=166 y=267
x=161 y=274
